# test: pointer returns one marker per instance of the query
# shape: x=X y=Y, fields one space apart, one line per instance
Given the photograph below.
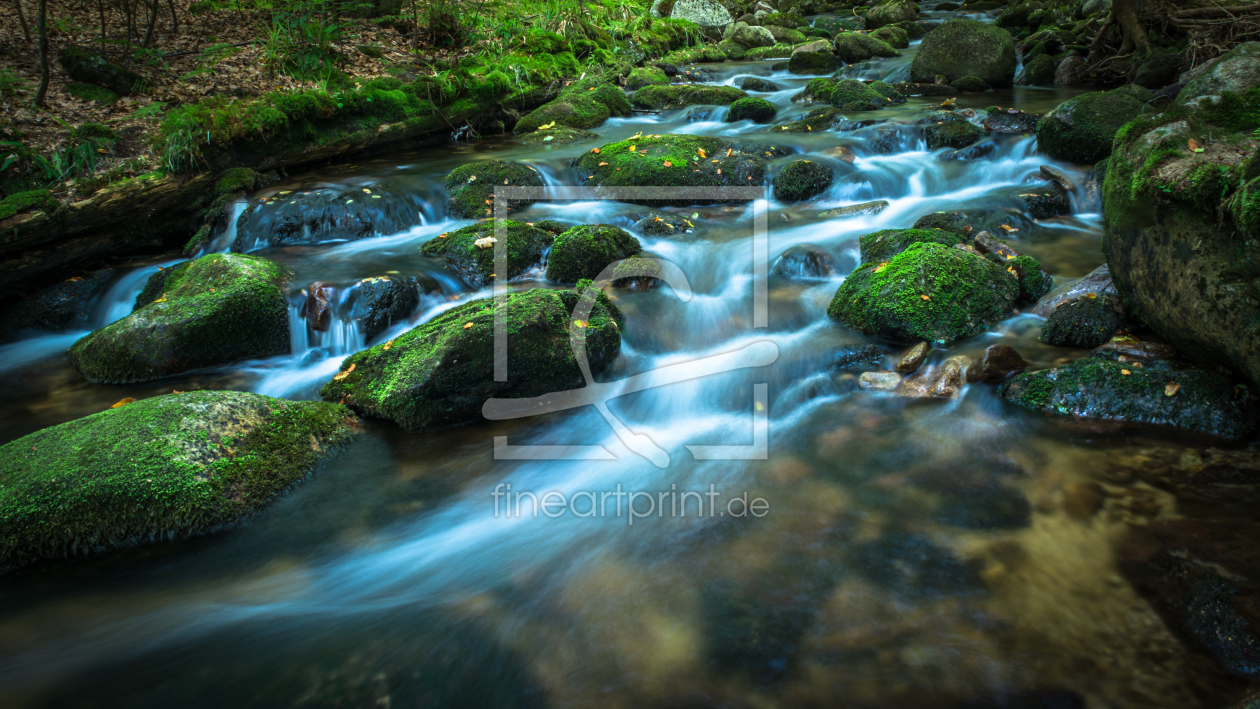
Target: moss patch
x=661 y=97
x=801 y=180
x=92 y=92
x=757 y=110
x=584 y=251
x=883 y=245
x=472 y=186
x=475 y=264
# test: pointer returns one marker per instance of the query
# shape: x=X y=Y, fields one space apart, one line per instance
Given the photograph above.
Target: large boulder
x=802 y=180
x=470 y=251
x=845 y=94
x=854 y=47
x=1181 y=397
x=880 y=246
x=1081 y=129
x=1237 y=70
x=748 y=36
x=890 y=12
x=215 y=310
x=705 y=13
x=1085 y=322
x=472 y=186
x=678 y=96
x=55 y=308
x=927 y=292
x=673 y=160
x=1189 y=274
x=584 y=251
x=333 y=212
x=1038 y=72
x=757 y=110
x=582 y=104
x=441 y=373
x=646 y=76
x=91 y=68
x=815 y=57
x=893 y=36
x=157 y=469
x=961 y=48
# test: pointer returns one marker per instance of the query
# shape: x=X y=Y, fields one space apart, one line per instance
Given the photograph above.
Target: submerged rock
x=442 y=372
x=1081 y=129
x=1192 y=400
x=802 y=180
x=804 y=261
x=913 y=567
x=952 y=134
x=663 y=223
x=1009 y=121
x=157 y=469
x=854 y=210
x=584 y=251
x=475 y=262
x=472 y=186
x=961 y=48
x=215 y=310
x=859 y=357
x=927 y=292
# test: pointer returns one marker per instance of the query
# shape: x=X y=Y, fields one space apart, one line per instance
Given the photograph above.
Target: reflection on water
x=913 y=554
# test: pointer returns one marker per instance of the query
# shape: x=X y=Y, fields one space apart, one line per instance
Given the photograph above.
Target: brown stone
x=986 y=243
x=318 y=309
x=996 y=362
x=1082 y=500
x=912 y=359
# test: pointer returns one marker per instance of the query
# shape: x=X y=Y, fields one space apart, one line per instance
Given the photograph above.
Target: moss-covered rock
x=834 y=25
x=961 y=48
x=854 y=47
x=790 y=36
x=1191 y=400
x=788 y=20
x=91 y=68
x=1034 y=283
x=673 y=160
x=215 y=310
x=801 y=180
x=927 y=292
x=1081 y=129
x=92 y=92
x=29 y=201
x=883 y=245
x=157 y=469
x=584 y=251
x=969 y=83
x=845 y=94
x=733 y=50
x=1038 y=72
x=952 y=134
x=472 y=186
x=474 y=263
x=560 y=135
x=890 y=12
x=815 y=57
x=749 y=36
x=893 y=36
x=661 y=97
x=442 y=372
x=582 y=104
x=757 y=110
x=756 y=83
x=646 y=76
x=1236 y=71
x=1084 y=322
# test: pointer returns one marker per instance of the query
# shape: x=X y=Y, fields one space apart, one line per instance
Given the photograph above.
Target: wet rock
x=802 y=180
x=166 y=467
x=666 y=161
x=441 y=373
x=886 y=141
x=383 y=301
x=560 y=135
x=1085 y=322
x=974 y=152
x=1135 y=350
x=844 y=94
x=474 y=262
x=913 y=567
x=996 y=363
x=879 y=381
x=1038 y=72
x=326 y=214
x=943 y=382
x=981 y=501
x=952 y=134
x=961 y=48
x=853 y=47
x=755 y=83
x=1057 y=176
x=1081 y=500
x=1072 y=71
x=859 y=357
x=636 y=273
x=1081 y=129
x=663 y=223
x=927 y=292
x=1009 y=121
x=805 y=261
x=699 y=114
x=756 y=110
x=752 y=37
x=1191 y=400
x=893 y=36
x=890 y=12
x=1237 y=70
x=924 y=89
x=215 y=310
x=912 y=359
x=678 y=96
x=969 y=84
x=584 y=251
x=317 y=310
x=1158 y=71
x=881 y=246
x=854 y=210
x=55 y=308
x=1097 y=282
x=582 y=104
x=814 y=58
x=1047 y=202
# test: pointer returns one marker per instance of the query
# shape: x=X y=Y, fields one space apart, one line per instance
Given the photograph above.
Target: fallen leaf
x=472 y=179
x=700 y=151
x=925 y=297
x=1125 y=372
x=367 y=191
x=1194 y=146
x=467 y=325
x=160 y=300
x=1172 y=389
x=668 y=164
x=595 y=150
x=123 y=402
x=602 y=164
x=881 y=267
x=632 y=147
x=580 y=323
x=485 y=242
x=388 y=345
x=1008 y=228
x=343 y=374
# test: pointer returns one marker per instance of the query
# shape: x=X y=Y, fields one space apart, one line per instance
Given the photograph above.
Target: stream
x=908 y=553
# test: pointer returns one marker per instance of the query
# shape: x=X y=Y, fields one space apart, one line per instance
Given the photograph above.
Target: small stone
x=318 y=310
x=1056 y=175
x=986 y=243
x=997 y=362
x=879 y=381
x=912 y=359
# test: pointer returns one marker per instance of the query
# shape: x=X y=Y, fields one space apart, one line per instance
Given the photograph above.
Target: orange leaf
x=123 y=402
x=1172 y=389
x=668 y=164
x=701 y=152
x=342 y=375
x=467 y=325
x=925 y=297
x=388 y=345
x=595 y=150
x=1125 y=372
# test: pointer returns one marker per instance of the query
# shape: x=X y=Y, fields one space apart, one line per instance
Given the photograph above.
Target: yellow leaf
x=580 y=323
x=881 y=267
x=388 y=345
x=602 y=164
x=367 y=191
x=467 y=325
x=1172 y=389
x=701 y=152
x=595 y=150
x=123 y=402
x=160 y=300
x=809 y=128
x=473 y=178
x=925 y=297
x=1125 y=372
x=632 y=147
x=343 y=374
x=1007 y=228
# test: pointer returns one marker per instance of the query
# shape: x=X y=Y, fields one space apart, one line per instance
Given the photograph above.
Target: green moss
x=32 y=200
x=881 y=246
x=801 y=180
x=789 y=20
x=854 y=47
x=733 y=50
x=1093 y=388
x=707 y=54
x=236 y=179
x=560 y=135
x=823 y=118
x=845 y=94
x=646 y=76
x=952 y=134
x=96 y=133
x=778 y=51
x=92 y=92
x=1033 y=282
x=893 y=36
x=970 y=83
x=820 y=62
x=672 y=160
x=584 y=251
x=660 y=97
x=475 y=264
x=887 y=91
x=91 y=68
x=217 y=309
x=442 y=372
x=582 y=104
x=1083 y=128
x=756 y=110
x=472 y=186
x=927 y=292
x=161 y=468
x=1083 y=322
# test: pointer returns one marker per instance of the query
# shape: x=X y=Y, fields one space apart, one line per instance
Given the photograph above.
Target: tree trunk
x=26 y=31
x=1135 y=40
x=41 y=28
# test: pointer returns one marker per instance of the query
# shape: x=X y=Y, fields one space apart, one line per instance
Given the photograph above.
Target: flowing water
x=905 y=553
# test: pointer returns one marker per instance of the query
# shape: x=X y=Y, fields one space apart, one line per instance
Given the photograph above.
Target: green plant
x=12 y=86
